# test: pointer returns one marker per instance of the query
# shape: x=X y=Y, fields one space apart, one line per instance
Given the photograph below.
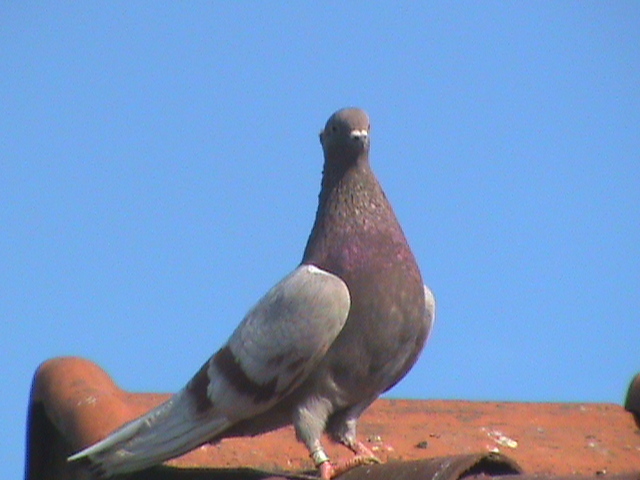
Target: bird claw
x=361 y=450
x=329 y=471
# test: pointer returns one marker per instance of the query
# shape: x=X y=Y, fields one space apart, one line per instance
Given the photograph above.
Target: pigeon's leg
x=309 y=421
x=342 y=428
x=344 y=432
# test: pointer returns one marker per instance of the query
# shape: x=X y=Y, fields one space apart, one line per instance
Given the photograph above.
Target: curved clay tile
x=74 y=403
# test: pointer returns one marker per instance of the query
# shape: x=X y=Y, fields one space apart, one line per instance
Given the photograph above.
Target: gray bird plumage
x=320 y=347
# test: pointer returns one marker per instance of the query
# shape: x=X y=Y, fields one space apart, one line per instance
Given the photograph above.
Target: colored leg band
x=319 y=457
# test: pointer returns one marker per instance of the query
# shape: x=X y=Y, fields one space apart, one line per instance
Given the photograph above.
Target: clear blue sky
x=160 y=165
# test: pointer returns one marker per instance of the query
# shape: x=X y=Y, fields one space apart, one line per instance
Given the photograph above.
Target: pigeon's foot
x=361 y=450
x=329 y=471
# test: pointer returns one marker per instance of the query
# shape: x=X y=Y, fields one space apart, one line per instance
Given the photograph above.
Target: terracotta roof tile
x=74 y=403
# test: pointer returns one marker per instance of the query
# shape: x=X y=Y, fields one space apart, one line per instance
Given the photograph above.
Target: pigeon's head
x=346 y=134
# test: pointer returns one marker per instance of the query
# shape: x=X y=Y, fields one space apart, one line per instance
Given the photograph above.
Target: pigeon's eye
x=334 y=129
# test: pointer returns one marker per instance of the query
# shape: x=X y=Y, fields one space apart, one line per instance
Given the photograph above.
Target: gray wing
x=430 y=310
x=278 y=343
x=275 y=347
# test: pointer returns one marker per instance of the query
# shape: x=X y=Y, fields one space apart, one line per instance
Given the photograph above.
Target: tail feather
x=169 y=430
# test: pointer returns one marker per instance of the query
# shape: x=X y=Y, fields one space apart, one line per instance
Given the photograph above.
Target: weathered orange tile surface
x=542 y=438
x=83 y=404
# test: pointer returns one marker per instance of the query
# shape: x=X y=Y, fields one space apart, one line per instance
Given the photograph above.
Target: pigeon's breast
x=384 y=331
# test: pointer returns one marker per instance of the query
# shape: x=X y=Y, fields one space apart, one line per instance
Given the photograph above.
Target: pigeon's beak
x=361 y=135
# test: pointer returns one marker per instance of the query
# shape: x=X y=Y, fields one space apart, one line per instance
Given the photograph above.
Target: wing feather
x=278 y=343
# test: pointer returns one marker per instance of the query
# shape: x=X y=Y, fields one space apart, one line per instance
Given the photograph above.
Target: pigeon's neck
x=352 y=211
x=342 y=179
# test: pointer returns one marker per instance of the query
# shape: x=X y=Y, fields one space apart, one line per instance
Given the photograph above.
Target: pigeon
x=326 y=341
